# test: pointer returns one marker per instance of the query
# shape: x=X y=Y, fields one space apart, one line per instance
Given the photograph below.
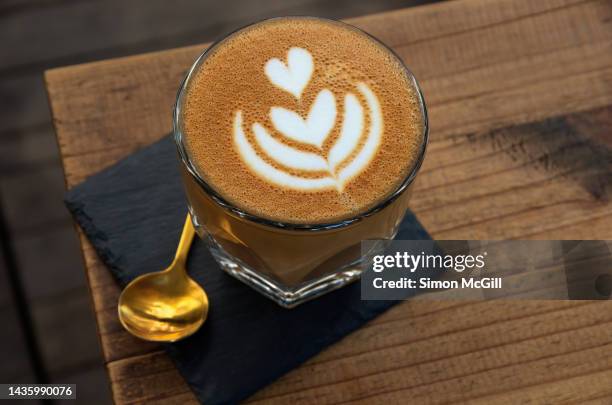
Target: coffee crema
x=302 y=120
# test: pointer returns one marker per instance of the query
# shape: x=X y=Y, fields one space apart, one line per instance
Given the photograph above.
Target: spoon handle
x=182 y=251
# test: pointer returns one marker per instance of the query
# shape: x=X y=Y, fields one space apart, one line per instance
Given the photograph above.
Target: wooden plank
x=452 y=356
x=423 y=356
x=486 y=68
x=153 y=376
x=127 y=85
x=504 y=176
x=595 y=389
x=94 y=30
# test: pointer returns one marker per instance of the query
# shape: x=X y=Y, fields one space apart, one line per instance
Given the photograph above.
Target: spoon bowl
x=165 y=306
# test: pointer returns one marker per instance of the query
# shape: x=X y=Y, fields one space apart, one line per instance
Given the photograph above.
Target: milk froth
x=302 y=120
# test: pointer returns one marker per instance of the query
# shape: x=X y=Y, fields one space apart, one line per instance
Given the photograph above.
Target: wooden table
x=520 y=101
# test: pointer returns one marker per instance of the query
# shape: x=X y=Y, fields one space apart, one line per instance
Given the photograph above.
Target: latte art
x=294 y=76
x=313 y=130
x=302 y=120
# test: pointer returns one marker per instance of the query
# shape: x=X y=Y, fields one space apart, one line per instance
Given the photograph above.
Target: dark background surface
x=49 y=332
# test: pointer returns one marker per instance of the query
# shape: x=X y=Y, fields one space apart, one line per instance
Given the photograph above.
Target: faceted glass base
x=282 y=295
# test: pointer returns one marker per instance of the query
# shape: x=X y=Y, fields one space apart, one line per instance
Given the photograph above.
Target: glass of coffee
x=299 y=137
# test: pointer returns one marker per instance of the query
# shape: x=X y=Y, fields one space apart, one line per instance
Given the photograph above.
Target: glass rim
x=244 y=214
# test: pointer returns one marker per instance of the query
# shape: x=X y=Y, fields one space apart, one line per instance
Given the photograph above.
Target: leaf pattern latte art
x=351 y=153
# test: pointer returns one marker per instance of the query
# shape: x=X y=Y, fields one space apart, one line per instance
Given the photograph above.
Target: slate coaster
x=133 y=212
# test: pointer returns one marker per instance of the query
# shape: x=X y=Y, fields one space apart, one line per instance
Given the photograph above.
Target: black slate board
x=133 y=212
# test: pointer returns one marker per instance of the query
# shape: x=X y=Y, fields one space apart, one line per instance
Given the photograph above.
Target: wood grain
x=518 y=94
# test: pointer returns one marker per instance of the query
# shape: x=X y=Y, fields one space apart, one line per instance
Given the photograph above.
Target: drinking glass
x=287 y=262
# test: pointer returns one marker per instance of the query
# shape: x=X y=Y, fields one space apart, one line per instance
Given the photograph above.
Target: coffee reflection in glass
x=326 y=131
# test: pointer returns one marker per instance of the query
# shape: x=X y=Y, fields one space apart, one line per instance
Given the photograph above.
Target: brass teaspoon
x=168 y=305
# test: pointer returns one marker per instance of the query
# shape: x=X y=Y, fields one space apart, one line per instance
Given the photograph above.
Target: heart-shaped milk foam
x=315 y=129
x=295 y=75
